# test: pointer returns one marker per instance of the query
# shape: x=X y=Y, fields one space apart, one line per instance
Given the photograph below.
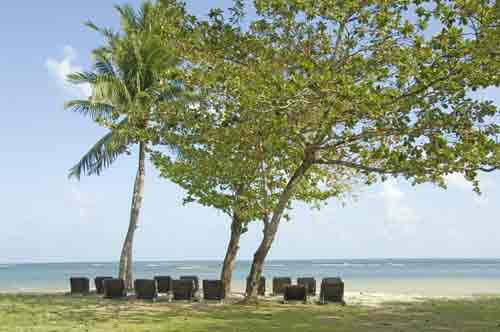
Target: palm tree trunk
x=232 y=251
x=125 y=271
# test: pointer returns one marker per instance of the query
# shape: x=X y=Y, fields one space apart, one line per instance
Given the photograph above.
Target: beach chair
x=99 y=284
x=261 y=287
x=279 y=285
x=295 y=293
x=163 y=284
x=145 y=289
x=194 y=279
x=183 y=289
x=310 y=284
x=213 y=290
x=114 y=288
x=332 y=290
x=79 y=285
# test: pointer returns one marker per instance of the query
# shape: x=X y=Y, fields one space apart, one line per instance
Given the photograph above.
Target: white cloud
x=399 y=216
x=60 y=69
x=457 y=180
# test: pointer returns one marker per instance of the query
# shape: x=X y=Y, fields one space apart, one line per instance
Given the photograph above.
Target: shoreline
x=371 y=294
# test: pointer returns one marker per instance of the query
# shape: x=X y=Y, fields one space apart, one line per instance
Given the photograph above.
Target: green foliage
x=350 y=91
x=128 y=80
x=223 y=158
x=361 y=85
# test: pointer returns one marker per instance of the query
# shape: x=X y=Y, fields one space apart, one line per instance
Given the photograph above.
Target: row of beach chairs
x=188 y=288
x=331 y=289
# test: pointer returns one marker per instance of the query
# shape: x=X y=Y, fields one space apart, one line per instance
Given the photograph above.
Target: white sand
x=375 y=293
x=369 y=292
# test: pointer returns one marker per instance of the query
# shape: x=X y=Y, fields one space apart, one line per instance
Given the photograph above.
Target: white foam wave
x=346 y=264
x=187 y=267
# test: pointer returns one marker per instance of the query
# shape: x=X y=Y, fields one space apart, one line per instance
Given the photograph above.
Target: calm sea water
x=49 y=277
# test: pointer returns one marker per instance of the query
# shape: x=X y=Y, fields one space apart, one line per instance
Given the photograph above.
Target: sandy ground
x=373 y=292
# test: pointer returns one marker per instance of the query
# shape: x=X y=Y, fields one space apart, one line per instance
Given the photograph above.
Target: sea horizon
x=249 y=260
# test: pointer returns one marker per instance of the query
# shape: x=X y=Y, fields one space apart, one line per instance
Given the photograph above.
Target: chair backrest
x=195 y=280
x=79 y=285
x=183 y=289
x=280 y=283
x=295 y=293
x=310 y=284
x=99 y=284
x=335 y=280
x=213 y=290
x=163 y=284
x=332 y=290
x=114 y=288
x=145 y=289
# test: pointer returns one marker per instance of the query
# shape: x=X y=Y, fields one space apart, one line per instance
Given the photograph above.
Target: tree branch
x=357 y=166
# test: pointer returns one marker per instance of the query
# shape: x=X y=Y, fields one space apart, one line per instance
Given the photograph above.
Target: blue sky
x=47 y=218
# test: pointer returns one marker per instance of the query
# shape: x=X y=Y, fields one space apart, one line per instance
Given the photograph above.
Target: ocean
x=415 y=276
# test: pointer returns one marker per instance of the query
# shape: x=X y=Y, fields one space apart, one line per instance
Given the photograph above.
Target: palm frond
x=94 y=110
x=129 y=17
x=110 y=87
x=100 y=156
x=81 y=78
x=108 y=33
x=103 y=64
x=144 y=13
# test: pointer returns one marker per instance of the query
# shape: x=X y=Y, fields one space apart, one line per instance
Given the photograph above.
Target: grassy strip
x=51 y=313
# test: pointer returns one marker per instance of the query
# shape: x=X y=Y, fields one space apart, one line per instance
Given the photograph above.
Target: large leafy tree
x=374 y=88
x=128 y=82
x=216 y=168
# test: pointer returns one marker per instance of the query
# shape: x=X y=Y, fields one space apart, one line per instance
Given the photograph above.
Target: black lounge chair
x=145 y=289
x=114 y=289
x=99 y=284
x=295 y=293
x=194 y=279
x=213 y=290
x=163 y=284
x=79 y=285
x=310 y=283
x=332 y=290
x=261 y=288
x=279 y=285
x=183 y=289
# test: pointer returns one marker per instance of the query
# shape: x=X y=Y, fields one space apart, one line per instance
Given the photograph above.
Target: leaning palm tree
x=127 y=87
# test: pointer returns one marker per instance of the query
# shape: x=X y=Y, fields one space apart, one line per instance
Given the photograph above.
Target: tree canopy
x=312 y=98
x=370 y=88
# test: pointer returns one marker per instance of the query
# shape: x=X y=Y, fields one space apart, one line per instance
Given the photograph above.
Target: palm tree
x=127 y=87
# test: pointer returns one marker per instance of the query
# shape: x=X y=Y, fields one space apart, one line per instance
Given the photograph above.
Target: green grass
x=51 y=313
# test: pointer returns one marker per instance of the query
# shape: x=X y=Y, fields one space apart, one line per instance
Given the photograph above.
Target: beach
x=367 y=281
x=380 y=295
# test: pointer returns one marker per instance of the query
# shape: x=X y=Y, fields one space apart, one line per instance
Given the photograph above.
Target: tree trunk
x=258 y=260
x=232 y=251
x=270 y=230
x=125 y=271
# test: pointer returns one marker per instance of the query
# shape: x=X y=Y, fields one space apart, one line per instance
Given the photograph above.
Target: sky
x=45 y=217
